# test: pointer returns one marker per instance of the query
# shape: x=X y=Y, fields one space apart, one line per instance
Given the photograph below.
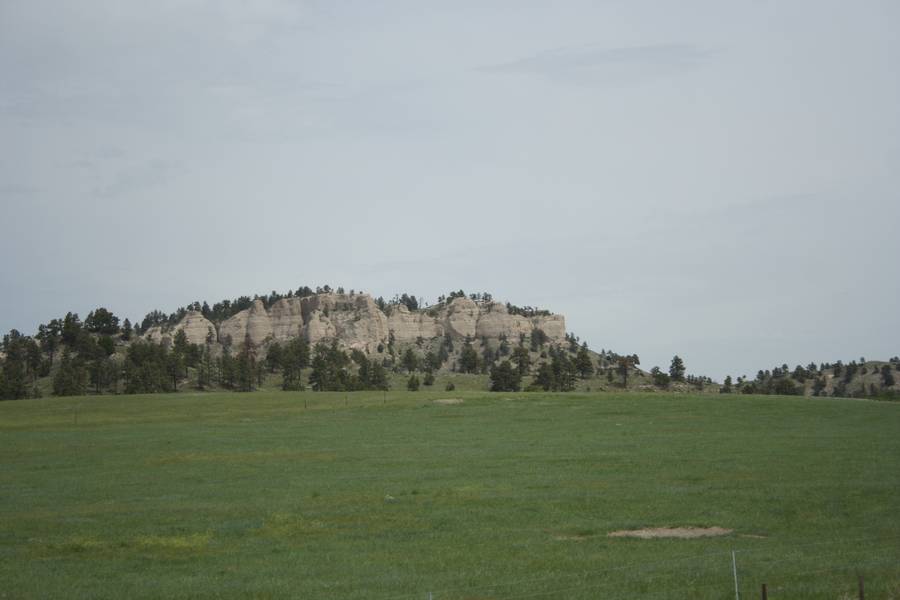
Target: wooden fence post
x=765 y=593
x=862 y=589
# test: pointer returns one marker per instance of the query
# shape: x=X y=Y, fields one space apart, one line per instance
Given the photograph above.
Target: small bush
x=413 y=384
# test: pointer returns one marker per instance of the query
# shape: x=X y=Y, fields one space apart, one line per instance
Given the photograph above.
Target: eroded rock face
x=253 y=323
x=363 y=326
x=462 y=317
x=357 y=322
x=409 y=326
x=195 y=326
x=287 y=318
x=318 y=328
x=553 y=325
x=496 y=322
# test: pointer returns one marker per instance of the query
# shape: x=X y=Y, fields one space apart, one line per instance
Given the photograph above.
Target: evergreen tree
x=544 y=377
x=71 y=378
x=583 y=363
x=127 y=330
x=432 y=361
x=538 y=339
x=378 y=379
x=676 y=369
x=504 y=348
x=245 y=366
x=624 y=364
x=410 y=361
x=504 y=378
x=274 y=357
x=71 y=329
x=50 y=337
x=174 y=368
x=660 y=379
x=15 y=367
x=102 y=321
x=564 y=373
x=818 y=386
x=522 y=359
x=468 y=359
x=727 y=387
x=329 y=368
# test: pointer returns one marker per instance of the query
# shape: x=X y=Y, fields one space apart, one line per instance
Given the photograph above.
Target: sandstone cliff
x=195 y=326
x=357 y=322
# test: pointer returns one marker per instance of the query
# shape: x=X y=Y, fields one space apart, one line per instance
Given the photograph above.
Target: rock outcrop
x=253 y=323
x=357 y=322
x=195 y=326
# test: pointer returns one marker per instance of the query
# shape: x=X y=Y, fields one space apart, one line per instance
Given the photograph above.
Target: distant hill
x=857 y=379
x=335 y=340
x=326 y=339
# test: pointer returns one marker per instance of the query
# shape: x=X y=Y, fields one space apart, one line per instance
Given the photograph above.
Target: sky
x=717 y=180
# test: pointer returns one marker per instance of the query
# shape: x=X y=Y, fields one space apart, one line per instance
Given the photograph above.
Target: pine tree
x=468 y=359
x=245 y=366
x=676 y=369
x=726 y=388
x=522 y=359
x=410 y=361
x=504 y=378
x=71 y=377
x=583 y=363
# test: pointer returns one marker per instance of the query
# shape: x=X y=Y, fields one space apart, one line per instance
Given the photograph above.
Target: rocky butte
x=356 y=321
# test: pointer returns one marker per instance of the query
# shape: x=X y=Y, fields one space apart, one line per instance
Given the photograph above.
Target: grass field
x=272 y=495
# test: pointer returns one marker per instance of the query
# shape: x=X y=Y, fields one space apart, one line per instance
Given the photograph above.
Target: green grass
x=364 y=495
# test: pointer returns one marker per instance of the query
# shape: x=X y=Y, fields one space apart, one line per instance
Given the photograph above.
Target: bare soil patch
x=446 y=401
x=684 y=533
x=573 y=537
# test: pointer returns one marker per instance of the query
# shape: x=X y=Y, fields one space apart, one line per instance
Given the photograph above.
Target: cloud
x=595 y=64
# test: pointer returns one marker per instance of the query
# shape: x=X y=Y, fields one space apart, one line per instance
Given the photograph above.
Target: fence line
x=642 y=567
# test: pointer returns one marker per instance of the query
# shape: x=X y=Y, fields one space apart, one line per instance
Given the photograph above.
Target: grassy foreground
x=273 y=495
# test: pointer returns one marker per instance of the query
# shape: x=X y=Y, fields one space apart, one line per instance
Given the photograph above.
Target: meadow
x=397 y=495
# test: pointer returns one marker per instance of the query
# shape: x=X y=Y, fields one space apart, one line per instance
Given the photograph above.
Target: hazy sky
x=714 y=179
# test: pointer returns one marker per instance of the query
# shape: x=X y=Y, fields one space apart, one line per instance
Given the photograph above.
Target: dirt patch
x=683 y=533
x=574 y=537
x=446 y=401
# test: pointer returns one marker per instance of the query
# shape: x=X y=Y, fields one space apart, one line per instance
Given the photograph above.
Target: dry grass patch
x=684 y=533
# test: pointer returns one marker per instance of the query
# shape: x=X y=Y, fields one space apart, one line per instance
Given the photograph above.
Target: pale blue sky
x=716 y=179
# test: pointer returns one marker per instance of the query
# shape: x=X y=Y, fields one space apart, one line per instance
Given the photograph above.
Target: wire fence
x=842 y=569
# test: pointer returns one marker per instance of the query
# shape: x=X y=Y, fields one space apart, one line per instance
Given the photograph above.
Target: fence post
x=765 y=594
x=737 y=592
x=862 y=589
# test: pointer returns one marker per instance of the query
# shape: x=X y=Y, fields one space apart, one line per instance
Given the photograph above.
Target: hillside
x=336 y=341
x=330 y=340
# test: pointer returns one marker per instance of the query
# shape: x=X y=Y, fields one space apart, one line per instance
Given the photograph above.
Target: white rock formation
x=357 y=322
x=195 y=326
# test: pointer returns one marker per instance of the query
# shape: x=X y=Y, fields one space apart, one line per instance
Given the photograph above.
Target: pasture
x=393 y=496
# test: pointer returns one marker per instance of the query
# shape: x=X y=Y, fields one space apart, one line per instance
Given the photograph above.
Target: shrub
x=413 y=384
